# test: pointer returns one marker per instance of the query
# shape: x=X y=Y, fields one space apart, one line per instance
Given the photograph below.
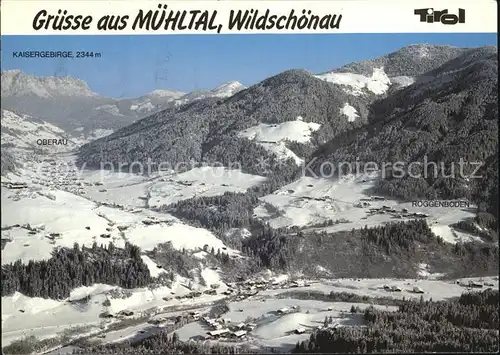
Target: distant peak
x=229 y=84
x=425 y=46
x=166 y=93
x=12 y=71
x=228 y=89
x=17 y=83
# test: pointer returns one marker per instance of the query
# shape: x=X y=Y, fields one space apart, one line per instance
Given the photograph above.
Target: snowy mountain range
x=337 y=101
x=70 y=104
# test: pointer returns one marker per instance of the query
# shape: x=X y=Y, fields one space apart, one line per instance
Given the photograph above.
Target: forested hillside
x=392 y=250
x=68 y=269
x=448 y=116
x=194 y=131
x=469 y=324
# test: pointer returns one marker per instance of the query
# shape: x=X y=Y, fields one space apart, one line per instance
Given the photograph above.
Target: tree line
x=469 y=324
x=162 y=344
x=69 y=268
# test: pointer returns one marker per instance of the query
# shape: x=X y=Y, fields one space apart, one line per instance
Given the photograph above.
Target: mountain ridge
x=70 y=104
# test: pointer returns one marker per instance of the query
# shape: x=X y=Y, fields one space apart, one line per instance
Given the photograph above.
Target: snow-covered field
x=45 y=318
x=378 y=83
x=310 y=201
x=277 y=331
x=274 y=136
x=57 y=218
x=24 y=131
x=356 y=84
x=24 y=316
x=298 y=131
x=61 y=206
x=349 y=111
x=52 y=218
x=435 y=289
x=199 y=182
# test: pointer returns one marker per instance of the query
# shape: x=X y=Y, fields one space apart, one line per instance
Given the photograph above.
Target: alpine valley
x=230 y=220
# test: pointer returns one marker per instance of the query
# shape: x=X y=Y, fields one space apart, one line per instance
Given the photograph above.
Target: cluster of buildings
x=475 y=284
x=395 y=288
x=15 y=185
x=403 y=213
x=64 y=177
x=392 y=288
x=286 y=310
x=222 y=328
x=244 y=289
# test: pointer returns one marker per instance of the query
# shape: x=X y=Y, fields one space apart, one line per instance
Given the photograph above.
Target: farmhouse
x=126 y=313
x=239 y=326
x=219 y=332
x=106 y=315
x=17 y=185
x=207 y=320
x=299 y=330
x=251 y=326
x=239 y=333
x=417 y=290
x=475 y=284
x=283 y=310
x=297 y=283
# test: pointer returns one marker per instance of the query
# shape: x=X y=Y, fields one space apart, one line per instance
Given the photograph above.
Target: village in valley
x=262 y=312
x=253 y=309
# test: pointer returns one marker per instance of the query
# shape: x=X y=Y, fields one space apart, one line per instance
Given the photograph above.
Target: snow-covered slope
x=159 y=99
x=24 y=131
x=274 y=136
x=228 y=89
x=154 y=101
x=356 y=84
x=166 y=94
x=311 y=201
x=298 y=131
x=69 y=103
x=225 y=90
x=350 y=112
x=198 y=182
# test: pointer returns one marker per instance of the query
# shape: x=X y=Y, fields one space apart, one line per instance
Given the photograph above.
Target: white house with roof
x=239 y=333
x=218 y=332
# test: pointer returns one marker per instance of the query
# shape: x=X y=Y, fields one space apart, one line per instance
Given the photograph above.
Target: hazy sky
x=131 y=66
